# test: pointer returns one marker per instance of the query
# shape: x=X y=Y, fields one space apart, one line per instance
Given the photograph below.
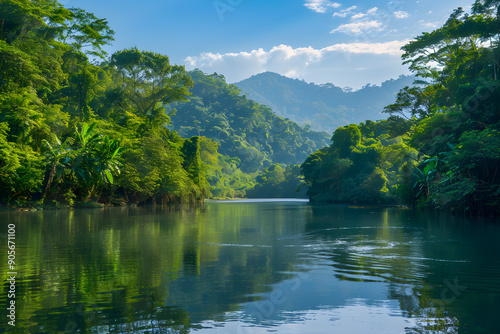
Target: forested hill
x=243 y=128
x=440 y=147
x=325 y=107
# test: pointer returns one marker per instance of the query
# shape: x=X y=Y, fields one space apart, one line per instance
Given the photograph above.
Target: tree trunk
x=49 y=181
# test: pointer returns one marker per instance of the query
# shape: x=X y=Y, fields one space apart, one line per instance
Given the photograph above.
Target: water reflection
x=421 y=257
x=253 y=267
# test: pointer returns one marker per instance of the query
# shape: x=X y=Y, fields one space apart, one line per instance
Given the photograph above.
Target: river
x=251 y=267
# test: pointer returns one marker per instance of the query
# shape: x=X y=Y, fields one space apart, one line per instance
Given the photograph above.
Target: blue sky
x=347 y=43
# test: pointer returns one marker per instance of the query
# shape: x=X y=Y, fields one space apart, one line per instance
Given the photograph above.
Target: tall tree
x=83 y=30
x=151 y=83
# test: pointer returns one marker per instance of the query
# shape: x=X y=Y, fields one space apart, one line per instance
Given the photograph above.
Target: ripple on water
x=236 y=245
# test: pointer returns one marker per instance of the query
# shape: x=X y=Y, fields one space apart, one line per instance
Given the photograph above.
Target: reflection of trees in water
x=82 y=270
x=114 y=311
x=114 y=270
x=158 y=320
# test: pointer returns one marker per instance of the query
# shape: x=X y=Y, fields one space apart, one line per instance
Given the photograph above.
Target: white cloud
x=392 y=48
x=401 y=14
x=340 y=15
x=430 y=25
x=320 y=6
x=344 y=12
x=357 y=28
x=342 y=64
x=358 y=16
x=291 y=74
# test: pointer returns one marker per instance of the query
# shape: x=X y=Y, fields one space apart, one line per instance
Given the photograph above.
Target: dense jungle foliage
x=440 y=147
x=75 y=131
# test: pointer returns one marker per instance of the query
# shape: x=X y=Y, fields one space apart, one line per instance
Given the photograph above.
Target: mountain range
x=324 y=107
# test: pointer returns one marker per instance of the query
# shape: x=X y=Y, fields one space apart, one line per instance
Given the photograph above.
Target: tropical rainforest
x=79 y=127
x=440 y=146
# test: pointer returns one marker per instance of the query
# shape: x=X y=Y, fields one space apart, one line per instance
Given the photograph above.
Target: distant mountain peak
x=324 y=106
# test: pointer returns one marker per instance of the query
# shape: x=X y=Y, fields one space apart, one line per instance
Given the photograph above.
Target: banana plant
x=95 y=158
x=57 y=156
x=107 y=163
x=426 y=176
x=86 y=137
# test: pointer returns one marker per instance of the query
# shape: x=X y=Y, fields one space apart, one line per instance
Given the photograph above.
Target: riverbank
x=34 y=206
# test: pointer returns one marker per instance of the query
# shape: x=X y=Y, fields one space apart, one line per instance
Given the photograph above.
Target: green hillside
x=243 y=128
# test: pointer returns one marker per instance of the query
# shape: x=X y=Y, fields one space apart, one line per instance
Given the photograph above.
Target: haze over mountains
x=325 y=107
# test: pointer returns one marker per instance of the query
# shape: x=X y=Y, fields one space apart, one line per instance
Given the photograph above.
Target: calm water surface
x=252 y=267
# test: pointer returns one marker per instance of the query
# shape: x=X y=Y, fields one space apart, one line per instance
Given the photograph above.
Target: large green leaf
x=109 y=176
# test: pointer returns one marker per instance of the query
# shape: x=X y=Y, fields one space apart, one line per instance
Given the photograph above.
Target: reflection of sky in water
x=345 y=279
x=355 y=318
x=315 y=302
